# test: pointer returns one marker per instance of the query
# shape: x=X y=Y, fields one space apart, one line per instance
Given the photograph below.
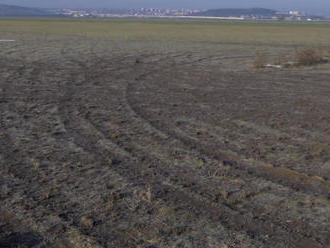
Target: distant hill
x=10 y=10
x=237 y=12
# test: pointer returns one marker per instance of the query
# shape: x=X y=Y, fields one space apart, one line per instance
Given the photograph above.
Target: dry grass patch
x=310 y=56
x=282 y=59
x=260 y=60
x=300 y=57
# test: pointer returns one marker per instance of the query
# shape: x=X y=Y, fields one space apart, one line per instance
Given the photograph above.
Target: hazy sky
x=310 y=6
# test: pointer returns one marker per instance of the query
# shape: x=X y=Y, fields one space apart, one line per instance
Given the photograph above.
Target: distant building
x=295 y=13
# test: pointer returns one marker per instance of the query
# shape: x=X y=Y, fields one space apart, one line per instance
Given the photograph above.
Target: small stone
x=224 y=194
x=229 y=163
x=87 y=222
x=115 y=161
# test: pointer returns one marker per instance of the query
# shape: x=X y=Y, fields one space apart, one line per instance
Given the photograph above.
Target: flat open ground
x=125 y=133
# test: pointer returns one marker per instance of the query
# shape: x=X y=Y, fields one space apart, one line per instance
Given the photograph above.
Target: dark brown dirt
x=172 y=151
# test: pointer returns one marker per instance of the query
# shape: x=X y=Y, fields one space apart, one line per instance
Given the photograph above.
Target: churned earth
x=142 y=146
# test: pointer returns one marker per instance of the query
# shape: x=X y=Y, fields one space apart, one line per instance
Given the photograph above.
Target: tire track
x=140 y=167
x=189 y=142
x=128 y=167
x=158 y=169
x=284 y=176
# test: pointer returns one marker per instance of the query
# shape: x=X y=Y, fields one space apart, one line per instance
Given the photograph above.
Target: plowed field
x=109 y=143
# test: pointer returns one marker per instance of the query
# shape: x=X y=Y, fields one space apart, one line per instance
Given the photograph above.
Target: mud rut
x=76 y=141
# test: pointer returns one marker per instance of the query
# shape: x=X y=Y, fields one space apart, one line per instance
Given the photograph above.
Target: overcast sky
x=310 y=6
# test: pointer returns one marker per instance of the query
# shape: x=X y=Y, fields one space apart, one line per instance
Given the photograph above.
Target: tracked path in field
x=277 y=175
x=286 y=176
x=108 y=169
x=139 y=168
x=65 y=203
x=137 y=150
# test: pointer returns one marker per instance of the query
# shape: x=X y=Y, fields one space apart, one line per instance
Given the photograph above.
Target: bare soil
x=162 y=149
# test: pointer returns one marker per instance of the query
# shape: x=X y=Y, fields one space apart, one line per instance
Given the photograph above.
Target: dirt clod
x=87 y=222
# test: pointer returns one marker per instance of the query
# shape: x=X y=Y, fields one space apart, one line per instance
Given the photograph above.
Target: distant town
x=141 y=12
x=231 y=14
x=235 y=14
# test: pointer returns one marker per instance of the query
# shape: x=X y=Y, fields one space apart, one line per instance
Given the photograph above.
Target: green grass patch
x=233 y=32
